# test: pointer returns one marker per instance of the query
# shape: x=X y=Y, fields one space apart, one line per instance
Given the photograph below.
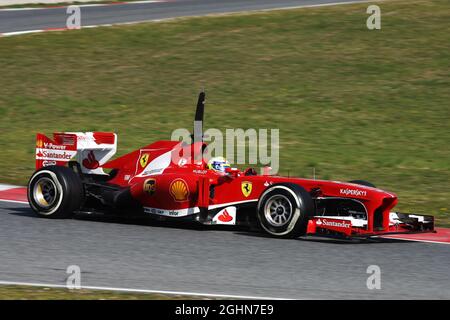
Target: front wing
x=352 y=227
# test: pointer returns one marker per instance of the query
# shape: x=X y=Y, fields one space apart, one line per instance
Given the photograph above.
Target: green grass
x=9 y=292
x=353 y=103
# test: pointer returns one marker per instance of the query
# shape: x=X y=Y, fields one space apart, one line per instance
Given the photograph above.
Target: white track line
x=55 y=6
x=183 y=293
x=8 y=34
x=417 y=240
x=8 y=186
x=311 y=5
x=14 y=201
x=18 y=33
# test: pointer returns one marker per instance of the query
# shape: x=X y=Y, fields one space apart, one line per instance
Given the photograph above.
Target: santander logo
x=225 y=217
x=90 y=162
x=339 y=223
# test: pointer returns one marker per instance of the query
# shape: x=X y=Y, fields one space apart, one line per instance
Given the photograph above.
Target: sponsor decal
x=200 y=171
x=182 y=162
x=179 y=190
x=150 y=186
x=151 y=210
x=246 y=188
x=152 y=172
x=39 y=143
x=267 y=183
x=49 y=145
x=47 y=163
x=91 y=162
x=157 y=165
x=56 y=155
x=167 y=213
x=172 y=212
x=333 y=223
x=353 y=192
x=225 y=216
x=144 y=160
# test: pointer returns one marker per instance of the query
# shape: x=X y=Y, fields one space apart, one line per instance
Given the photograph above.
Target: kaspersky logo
x=353 y=192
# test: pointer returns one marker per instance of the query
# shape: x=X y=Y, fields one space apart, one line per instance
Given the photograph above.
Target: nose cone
x=359 y=191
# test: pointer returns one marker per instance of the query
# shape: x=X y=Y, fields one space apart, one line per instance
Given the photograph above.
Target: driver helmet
x=218 y=164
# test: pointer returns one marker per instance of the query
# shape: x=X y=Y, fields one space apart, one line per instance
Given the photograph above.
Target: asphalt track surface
x=55 y=18
x=143 y=255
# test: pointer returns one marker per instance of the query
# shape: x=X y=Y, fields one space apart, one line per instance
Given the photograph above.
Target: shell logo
x=39 y=143
x=179 y=190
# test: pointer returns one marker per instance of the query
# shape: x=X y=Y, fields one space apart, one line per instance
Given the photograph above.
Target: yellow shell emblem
x=179 y=190
x=144 y=160
x=39 y=143
x=246 y=188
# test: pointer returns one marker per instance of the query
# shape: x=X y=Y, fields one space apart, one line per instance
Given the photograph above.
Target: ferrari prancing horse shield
x=246 y=187
x=144 y=160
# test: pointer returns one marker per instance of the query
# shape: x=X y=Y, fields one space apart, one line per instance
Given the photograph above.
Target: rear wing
x=90 y=149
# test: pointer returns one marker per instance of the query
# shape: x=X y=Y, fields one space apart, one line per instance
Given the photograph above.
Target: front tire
x=284 y=209
x=55 y=192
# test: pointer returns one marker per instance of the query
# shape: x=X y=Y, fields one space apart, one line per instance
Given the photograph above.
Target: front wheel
x=55 y=192
x=283 y=210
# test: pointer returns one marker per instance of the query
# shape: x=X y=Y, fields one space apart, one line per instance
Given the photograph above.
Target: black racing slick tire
x=284 y=209
x=55 y=192
x=363 y=183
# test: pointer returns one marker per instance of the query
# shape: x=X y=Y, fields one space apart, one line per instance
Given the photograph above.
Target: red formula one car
x=70 y=178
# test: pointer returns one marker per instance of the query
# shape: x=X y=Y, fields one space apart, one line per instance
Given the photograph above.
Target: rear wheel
x=283 y=210
x=55 y=192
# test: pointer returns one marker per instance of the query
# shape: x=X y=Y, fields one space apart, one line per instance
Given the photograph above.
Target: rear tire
x=284 y=209
x=55 y=192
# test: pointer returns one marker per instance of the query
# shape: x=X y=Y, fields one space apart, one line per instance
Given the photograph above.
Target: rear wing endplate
x=90 y=149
